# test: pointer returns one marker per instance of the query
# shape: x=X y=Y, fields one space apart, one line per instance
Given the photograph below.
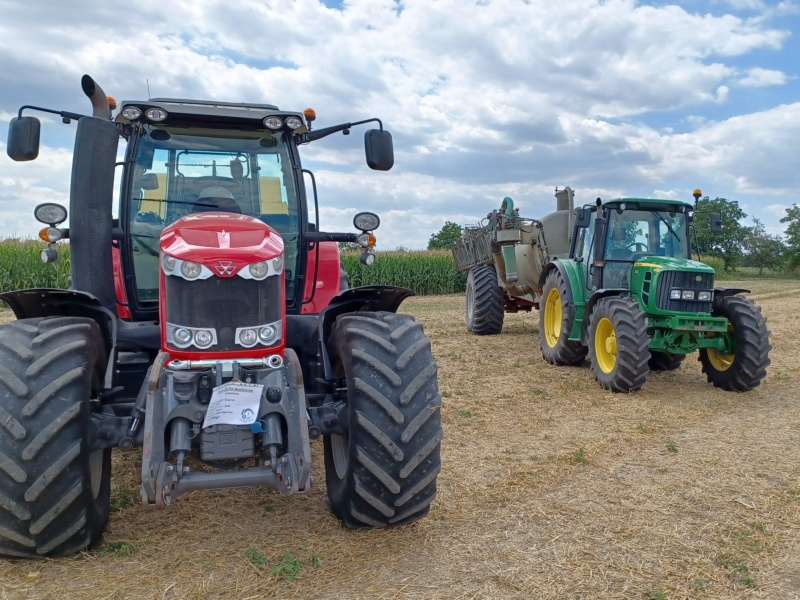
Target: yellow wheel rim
x=605 y=345
x=719 y=360
x=552 y=318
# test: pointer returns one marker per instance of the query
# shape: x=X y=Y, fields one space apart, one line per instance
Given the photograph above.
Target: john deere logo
x=698 y=278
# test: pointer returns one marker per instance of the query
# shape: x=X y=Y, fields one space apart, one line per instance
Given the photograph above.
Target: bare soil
x=550 y=488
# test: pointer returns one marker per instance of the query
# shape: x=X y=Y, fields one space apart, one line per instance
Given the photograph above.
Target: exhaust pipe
x=100 y=107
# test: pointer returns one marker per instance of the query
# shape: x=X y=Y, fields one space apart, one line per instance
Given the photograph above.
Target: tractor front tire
x=54 y=491
x=485 y=302
x=664 y=361
x=618 y=344
x=747 y=366
x=555 y=324
x=384 y=472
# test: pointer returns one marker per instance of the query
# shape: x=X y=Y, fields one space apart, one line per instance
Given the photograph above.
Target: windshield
x=636 y=233
x=179 y=171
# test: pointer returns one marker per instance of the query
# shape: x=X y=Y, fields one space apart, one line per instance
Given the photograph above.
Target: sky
x=484 y=98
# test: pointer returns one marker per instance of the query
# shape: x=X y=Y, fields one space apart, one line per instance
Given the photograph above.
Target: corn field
x=21 y=268
x=426 y=273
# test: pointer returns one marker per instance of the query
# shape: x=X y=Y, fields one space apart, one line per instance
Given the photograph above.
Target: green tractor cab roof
x=646 y=203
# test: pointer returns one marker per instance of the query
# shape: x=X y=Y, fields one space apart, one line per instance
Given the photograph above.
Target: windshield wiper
x=663 y=220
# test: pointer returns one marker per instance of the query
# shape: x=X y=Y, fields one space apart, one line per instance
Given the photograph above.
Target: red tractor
x=206 y=324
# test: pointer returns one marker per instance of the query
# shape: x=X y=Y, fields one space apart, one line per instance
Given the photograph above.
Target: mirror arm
x=326 y=236
x=326 y=131
x=62 y=113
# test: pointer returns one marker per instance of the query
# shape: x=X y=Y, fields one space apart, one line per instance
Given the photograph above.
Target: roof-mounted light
x=156 y=114
x=131 y=113
x=273 y=122
x=294 y=122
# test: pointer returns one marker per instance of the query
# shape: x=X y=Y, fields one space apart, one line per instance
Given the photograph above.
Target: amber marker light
x=309 y=114
x=112 y=103
x=697 y=193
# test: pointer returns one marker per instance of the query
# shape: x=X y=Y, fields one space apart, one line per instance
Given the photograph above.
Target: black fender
x=720 y=292
x=367 y=298
x=50 y=302
x=597 y=296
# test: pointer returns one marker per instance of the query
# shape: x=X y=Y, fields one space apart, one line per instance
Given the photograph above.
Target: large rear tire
x=618 y=344
x=485 y=302
x=664 y=361
x=384 y=472
x=744 y=369
x=555 y=324
x=54 y=492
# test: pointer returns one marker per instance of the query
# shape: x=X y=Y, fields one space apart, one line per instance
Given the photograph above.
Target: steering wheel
x=635 y=247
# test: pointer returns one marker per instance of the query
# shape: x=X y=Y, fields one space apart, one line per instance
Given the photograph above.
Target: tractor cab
x=615 y=236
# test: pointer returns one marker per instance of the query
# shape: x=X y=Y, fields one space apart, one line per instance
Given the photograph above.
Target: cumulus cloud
x=484 y=100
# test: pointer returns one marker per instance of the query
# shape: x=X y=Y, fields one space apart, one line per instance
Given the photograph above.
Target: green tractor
x=631 y=297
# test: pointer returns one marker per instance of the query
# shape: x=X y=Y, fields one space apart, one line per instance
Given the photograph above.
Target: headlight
x=704 y=296
x=687 y=295
x=273 y=122
x=675 y=295
x=131 y=113
x=190 y=270
x=50 y=213
x=262 y=269
x=248 y=337
x=156 y=114
x=294 y=123
x=258 y=270
x=203 y=338
x=267 y=334
x=168 y=263
x=182 y=336
x=366 y=221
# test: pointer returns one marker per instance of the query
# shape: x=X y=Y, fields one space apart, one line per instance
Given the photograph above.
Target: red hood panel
x=213 y=236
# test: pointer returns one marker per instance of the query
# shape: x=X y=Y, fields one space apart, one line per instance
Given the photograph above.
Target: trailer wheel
x=618 y=344
x=744 y=369
x=555 y=324
x=664 y=361
x=485 y=301
x=54 y=492
x=384 y=472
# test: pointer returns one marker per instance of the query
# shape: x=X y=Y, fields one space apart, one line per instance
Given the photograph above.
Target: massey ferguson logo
x=224 y=268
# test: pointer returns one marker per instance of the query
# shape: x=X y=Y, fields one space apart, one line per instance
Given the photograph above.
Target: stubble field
x=550 y=488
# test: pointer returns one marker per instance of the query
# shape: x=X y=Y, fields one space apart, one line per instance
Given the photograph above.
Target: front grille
x=223 y=304
x=683 y=280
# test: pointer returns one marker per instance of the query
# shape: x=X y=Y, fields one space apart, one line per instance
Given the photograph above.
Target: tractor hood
x=210 y=237
x=668 y=263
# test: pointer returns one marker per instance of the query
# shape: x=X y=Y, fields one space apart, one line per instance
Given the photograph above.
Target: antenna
x=148 y=88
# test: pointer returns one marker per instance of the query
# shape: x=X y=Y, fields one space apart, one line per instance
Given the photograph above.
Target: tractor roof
x=198 y=110
x=648 y=201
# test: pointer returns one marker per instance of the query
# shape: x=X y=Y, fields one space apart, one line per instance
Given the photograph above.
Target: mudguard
x=367 y=298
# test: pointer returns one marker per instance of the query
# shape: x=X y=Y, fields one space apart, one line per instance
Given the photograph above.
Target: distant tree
x=348 y=246
x=763 y=249
x=792 y=235
x=446 y=237
x=727 y=244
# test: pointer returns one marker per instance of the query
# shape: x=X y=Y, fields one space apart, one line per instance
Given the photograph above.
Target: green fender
x=576 y=291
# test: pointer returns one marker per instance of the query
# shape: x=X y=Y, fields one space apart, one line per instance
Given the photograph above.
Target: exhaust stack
x=100 y=106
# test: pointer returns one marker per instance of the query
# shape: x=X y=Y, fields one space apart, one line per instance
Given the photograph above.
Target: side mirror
x=23 y=138
x=582 y=217
x=379 y=149
x=715 y=222
x=148 y=181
